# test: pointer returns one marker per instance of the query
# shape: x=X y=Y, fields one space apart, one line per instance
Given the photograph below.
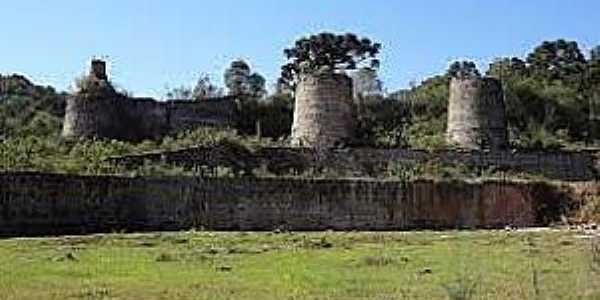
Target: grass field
x=204 y=265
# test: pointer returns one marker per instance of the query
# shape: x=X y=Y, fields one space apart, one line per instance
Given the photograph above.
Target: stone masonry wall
x=476 y=114
x=46 y=204
x=142 y=118
x=323 y=113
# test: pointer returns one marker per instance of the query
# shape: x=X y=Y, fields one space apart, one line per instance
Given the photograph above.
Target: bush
x=428 y=135
x=589 y=210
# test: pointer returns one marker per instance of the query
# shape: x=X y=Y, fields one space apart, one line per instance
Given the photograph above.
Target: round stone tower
x=323 y=114
x=476 y=114
x=93 y=110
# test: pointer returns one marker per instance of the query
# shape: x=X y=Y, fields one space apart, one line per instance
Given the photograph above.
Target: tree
x=236 y=77
x=240 y=80
x=328 y=52
x=595 y=53
x=463 y=69
x=557 y=60
x=204 y=89
x=366 y=83
x=256 y=85
x=178 y=93
x=507 y=67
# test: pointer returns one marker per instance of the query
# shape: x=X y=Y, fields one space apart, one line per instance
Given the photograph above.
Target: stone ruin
x=98 y=69
x=476 y=114
x=98 y=111
x=323 y=113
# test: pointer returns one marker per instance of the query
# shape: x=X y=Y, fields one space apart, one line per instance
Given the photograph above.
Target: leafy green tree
x=240 y=81
x=463 y=69
x=557 y=60
x=179 y=93
x=256 y=85
x=507 y=67
x=366 y=83
x=236 y=77
x=328 y=52
x=204 y=89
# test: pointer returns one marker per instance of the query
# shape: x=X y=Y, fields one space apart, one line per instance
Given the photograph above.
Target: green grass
x=204 y=265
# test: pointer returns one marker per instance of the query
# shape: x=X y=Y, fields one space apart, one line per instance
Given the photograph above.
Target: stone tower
x=92 y=111
x=323 y=114
x=98 y=69
x=476 y=113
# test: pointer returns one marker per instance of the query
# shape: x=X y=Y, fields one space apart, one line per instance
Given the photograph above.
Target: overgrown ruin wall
x=323 y=112
x=142 y=118
x=45 y=204
x=98 y=111
x=476 y=114
x=565 y=166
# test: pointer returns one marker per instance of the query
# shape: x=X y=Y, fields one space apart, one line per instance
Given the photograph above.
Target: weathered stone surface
x=98 y=69
x=142 y=118
x=476 y=114
x=97 y=110
x=41 y=204
x=323 y=113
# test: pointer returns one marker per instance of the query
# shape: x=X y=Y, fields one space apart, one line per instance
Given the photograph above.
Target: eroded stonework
x=34 y=204
x=476 y=114
x=98 y=111
x=323 y=115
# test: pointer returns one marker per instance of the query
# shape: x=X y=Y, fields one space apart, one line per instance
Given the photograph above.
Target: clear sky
x=152 y=43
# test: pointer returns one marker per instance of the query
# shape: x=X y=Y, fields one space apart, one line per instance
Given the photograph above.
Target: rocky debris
x=586 y=229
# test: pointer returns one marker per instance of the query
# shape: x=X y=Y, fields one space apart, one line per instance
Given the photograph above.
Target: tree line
x=552 y=95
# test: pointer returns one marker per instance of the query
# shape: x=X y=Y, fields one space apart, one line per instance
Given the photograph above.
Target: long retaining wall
x=34 y=204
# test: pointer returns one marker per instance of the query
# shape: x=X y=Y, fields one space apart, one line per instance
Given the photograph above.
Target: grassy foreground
x=204 y=265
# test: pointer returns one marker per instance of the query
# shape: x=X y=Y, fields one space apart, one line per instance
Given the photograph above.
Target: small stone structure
x=476 y=114
x=98 y=69
x=97 y=110
x=323 y=114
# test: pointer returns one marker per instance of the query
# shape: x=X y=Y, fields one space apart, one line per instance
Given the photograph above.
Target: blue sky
x=150 y=44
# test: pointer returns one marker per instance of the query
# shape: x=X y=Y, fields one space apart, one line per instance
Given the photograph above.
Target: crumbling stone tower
x=323 y=114
x=92 y=111
x=98 y=69
x=476 y=113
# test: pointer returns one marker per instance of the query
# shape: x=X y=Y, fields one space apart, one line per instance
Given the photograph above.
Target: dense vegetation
x=552 y=98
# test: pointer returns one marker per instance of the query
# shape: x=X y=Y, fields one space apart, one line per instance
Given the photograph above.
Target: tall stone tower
x=92 y=111
x=476 y=113
x=323 y=114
